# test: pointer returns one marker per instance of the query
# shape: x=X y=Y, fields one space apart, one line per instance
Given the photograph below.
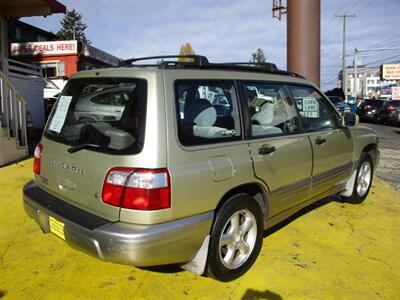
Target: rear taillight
x=367 y=106
x=37 y=158
x=390 y=108
x=138 y=189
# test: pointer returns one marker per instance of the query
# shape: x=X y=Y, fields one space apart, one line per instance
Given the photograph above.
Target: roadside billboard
x=44 y=48
x=396 y=93
x=390 y=72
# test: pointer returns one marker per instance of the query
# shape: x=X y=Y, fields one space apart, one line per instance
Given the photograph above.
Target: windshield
x=49 y=85
x=101 y=114
x=374 y=103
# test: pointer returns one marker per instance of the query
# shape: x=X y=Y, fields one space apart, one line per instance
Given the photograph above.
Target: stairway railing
x=12 y=111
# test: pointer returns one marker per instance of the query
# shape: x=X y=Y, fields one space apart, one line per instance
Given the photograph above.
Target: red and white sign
x=44 y=48
x=396 y=93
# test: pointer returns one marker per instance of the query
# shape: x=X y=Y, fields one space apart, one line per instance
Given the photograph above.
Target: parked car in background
x=102 y=104
x=352 y=103
x=339 y=103
x=387 y=114
x=368 y=110
x=50 y=95
x=396 y=117
x=50 y=89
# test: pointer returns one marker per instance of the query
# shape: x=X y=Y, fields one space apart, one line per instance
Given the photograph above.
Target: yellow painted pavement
x=332 y=251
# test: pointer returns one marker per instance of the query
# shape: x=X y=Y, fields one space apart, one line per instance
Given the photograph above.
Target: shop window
x=41 y=38
x=53 y=69
x=18 y=34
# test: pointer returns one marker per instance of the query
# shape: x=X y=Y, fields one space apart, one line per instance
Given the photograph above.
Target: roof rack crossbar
x=198 y=60
x=265 y=66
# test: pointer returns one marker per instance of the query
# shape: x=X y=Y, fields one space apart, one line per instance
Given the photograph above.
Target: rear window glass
x=374 y=103
x=101 y=114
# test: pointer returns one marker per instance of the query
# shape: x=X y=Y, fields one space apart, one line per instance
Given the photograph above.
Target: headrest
x=201 y=112
x=265 y=115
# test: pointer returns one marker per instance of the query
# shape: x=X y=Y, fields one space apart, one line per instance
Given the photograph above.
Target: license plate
x=57 y=227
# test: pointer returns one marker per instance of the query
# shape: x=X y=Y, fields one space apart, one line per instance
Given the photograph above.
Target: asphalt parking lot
x=389 y=145
x=331 y=250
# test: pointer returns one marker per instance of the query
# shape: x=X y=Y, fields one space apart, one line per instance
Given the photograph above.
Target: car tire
x=236 y=238
x=363 y=181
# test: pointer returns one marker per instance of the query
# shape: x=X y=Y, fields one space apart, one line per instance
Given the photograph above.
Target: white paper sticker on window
x=61 y=113
x=310 y=107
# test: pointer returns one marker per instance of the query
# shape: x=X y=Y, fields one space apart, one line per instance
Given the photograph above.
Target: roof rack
x=193 y=61
x=198 y=60
x=265 y=66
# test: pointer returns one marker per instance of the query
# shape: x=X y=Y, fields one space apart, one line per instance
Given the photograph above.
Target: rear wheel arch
x=254 y=190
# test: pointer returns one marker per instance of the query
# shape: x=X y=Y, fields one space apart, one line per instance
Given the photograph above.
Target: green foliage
x=186 y=49
x=258 y=57
x=72 y=27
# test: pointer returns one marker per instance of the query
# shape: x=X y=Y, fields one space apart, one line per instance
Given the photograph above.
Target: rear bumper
x=140 y=245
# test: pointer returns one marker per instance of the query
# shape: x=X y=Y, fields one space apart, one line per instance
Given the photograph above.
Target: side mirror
x=350 y=119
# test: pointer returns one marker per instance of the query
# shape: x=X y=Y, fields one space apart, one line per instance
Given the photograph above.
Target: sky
x=230 y=30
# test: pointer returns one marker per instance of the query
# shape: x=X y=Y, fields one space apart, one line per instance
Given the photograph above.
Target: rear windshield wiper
x=82 y=146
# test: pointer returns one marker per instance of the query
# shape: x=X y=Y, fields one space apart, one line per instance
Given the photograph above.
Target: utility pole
x=344 y=16
x=355 y=73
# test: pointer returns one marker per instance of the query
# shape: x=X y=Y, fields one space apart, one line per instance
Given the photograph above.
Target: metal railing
x=12 y=111
x=18 y=67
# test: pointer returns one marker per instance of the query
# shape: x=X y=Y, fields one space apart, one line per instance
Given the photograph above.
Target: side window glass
x=207 y=111
x=271 y=110
x=119 y=99
x=316 y=113
x=101 y=99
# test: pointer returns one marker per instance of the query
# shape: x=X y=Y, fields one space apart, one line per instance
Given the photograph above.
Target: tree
x=72 y=27
x=186 y=49
x=258 y=57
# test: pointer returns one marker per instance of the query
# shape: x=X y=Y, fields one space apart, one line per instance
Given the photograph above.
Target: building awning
x=99 y=55
x=29 y=8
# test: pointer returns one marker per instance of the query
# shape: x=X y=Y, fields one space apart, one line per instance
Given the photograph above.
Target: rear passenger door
x=281 y=154
x=332 y=146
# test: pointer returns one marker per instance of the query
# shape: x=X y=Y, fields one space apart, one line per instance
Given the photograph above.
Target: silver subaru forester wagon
x=189 y=162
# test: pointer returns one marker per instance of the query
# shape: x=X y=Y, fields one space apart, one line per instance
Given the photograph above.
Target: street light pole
x=344 y=16
x=355 y=72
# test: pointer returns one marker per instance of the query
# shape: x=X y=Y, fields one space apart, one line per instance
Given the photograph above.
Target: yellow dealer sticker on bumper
x=57 y=227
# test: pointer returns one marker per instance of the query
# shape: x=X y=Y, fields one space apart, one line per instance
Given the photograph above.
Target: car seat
x=262 y=121
x=202 y=115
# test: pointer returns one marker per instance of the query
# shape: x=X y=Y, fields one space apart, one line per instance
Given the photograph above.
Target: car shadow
x=302 y=212
x=175 y=268
x=169 y=269
x=267 y=295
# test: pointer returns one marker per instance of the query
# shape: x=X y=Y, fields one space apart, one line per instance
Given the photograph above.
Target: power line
x=352 y=7
x=386 y=41
x=324 y=36
x=378 y=61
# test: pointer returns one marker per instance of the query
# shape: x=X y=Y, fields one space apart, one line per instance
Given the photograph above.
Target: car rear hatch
x=80 y=147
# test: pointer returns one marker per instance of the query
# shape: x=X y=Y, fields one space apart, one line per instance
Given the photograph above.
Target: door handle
x=266 y=150
x=320 y=140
